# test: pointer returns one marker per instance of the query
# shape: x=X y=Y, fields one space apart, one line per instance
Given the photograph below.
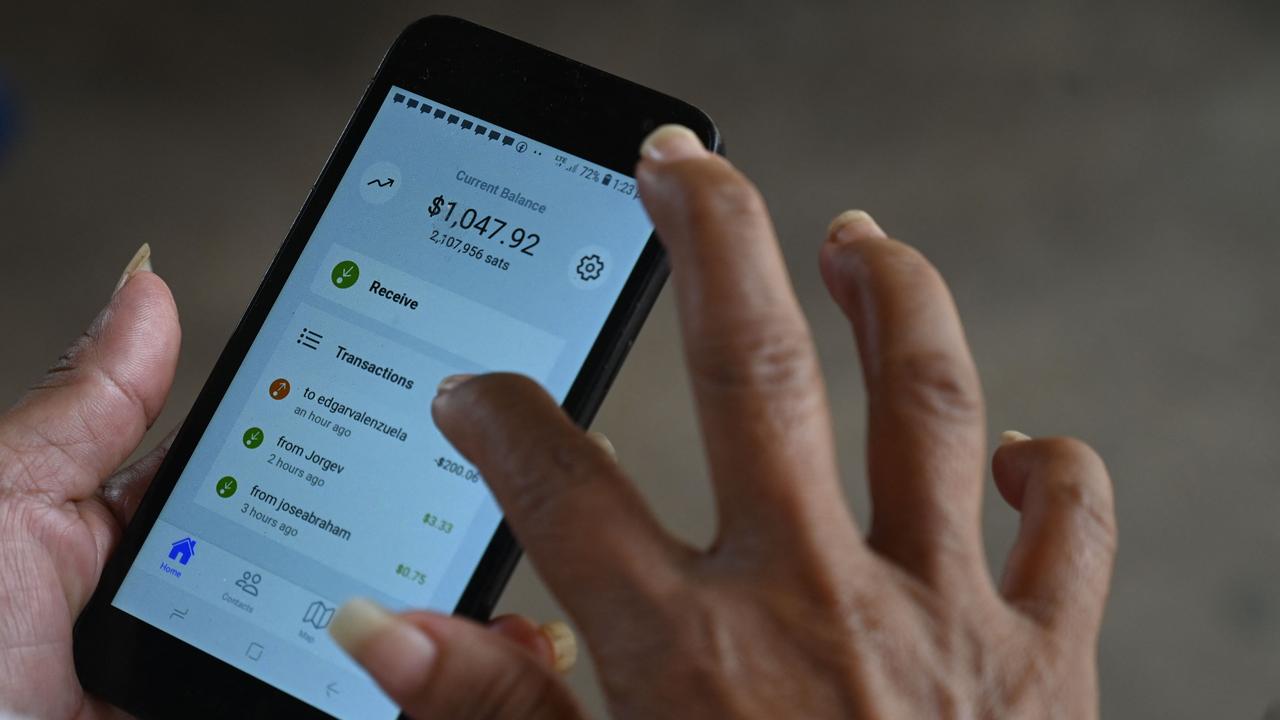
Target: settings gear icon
x=590 y=267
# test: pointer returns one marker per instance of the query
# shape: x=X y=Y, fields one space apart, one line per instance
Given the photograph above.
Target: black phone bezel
x=544 y=96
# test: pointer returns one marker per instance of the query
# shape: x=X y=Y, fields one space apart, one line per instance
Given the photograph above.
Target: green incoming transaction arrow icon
x=345 y=274
x=226 y=487
x=252 y=437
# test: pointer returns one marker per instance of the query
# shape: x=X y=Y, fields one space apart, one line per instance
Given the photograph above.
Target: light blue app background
x=450 y=246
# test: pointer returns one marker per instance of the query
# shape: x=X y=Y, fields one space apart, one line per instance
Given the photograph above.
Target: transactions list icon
x=309 y=338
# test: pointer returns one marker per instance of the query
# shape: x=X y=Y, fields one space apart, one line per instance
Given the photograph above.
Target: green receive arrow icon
x=252 y=437
x=226 y=487
x=345 y=274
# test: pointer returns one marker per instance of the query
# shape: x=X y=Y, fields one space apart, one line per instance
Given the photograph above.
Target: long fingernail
x=1008 y=437
x=604 y=443
x=357 y=621
x=395 y=652
x=669 y=143
x=852 y=225
x=452 y=381
x=564 y=643
x=141 y=262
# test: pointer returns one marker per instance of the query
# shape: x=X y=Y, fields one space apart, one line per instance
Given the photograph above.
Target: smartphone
x=478 y=214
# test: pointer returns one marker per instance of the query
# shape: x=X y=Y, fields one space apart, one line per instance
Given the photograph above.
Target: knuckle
x=898 y=260
x=528 y=692
x=1073 y=452
x=935 y=383
x=1082 y=483
x=828 y=592
x=724 y=193
x=556 y=479
x=701 y=646
x=64 y=370
x=771 y=355
x=885 y=265
x=1097 y=516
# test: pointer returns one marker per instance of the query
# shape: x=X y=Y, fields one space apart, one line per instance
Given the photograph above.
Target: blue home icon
x=183 y=550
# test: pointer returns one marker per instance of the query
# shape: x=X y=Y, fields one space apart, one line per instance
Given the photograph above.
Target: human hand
x=791 y=612
x=64 y=504
x=63 y=500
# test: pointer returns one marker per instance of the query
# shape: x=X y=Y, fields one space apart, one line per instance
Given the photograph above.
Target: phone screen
x=449 y=246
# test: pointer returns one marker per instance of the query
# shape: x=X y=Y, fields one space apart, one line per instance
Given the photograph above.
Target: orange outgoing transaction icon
x=279 y=389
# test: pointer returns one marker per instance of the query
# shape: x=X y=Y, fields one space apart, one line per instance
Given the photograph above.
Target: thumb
x=436 y=666
x=92 y=408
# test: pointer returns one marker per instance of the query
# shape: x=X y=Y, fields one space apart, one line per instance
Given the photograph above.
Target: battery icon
x=606 y=179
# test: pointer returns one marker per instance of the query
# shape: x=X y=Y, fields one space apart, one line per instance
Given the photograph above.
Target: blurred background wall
x=1098 y=181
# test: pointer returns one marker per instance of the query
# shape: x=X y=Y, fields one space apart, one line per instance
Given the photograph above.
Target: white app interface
x=450 y=246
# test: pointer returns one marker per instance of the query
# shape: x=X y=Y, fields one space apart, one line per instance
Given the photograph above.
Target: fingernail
x=669 y=143
x=1008 y=437
x=452 y=381
x=564 y=643
x=604 y=443
x=395 y=652
x=852 y=225
x=356 y=622
x=141 y=262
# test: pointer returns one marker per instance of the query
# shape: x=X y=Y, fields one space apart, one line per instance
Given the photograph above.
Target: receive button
x=377 y=288
x=489 y=338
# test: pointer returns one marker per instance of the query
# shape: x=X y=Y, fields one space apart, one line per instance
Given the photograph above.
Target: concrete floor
x=1098 y=181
